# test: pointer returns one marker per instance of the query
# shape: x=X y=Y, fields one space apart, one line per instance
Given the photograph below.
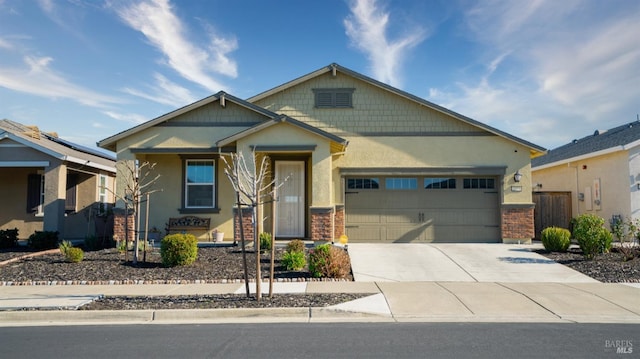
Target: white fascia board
x=580 y=158
x=631 y=145
x=24 y=163
x=91 y=164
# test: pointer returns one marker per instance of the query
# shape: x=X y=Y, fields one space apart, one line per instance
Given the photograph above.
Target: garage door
x=429 y=209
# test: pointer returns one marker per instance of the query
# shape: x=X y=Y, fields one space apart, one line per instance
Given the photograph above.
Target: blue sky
x=547 y=71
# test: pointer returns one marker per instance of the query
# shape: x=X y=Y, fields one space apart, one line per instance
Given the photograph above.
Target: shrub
x=265 y=241
x=178 y=249
x=8 y=238
x=556 y=239
x=327 y=261
x=294 y=260
x=295 y=245
x=43 y=240
x=627 y=233
x=591 y=235
x=74 y=255
x=64 y=247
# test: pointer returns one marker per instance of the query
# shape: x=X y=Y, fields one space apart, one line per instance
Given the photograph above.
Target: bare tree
x=252 y=184
x=138 y=181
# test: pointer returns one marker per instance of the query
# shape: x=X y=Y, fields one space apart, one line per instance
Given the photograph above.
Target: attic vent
x=575 y=141
x=596 y=133
x=334 y=98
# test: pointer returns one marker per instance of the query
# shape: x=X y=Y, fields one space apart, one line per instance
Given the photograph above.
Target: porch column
x=55 y=193
x=321 y=210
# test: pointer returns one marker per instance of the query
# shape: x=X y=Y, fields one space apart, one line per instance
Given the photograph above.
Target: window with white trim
x=103 y=183
x=200 y=184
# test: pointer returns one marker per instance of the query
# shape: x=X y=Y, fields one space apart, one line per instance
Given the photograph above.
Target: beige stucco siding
x=578 y=177
x=374 y=110
x=13 y=206
x=285 y=133
x=444 y=152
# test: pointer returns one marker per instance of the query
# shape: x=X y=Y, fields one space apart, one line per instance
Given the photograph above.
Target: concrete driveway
x=476 y=262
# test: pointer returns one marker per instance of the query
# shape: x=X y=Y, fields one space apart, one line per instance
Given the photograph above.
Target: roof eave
x=579 y=158
x=110 y=142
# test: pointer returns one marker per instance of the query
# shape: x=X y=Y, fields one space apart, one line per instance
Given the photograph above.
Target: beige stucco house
x=601 y=171
x=50 y=184
x=361 y=158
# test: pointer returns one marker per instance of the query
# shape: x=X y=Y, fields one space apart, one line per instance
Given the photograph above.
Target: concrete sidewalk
x=388 y=302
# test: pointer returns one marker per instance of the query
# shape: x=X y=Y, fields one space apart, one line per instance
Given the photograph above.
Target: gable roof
x=282 y=119
x=110 y=142
x=52 y=145
x=601 y=142
x=335 y=68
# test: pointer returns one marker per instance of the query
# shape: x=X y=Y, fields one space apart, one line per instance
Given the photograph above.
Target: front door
x=290 y=208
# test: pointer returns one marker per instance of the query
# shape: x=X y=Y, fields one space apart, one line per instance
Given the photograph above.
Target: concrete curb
x=238 y=315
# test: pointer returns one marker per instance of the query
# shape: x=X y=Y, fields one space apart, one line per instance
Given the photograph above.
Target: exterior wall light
x=518 y=176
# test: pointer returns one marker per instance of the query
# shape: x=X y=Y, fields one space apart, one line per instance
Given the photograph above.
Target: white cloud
x=125 y=117
x=561 y=69
x=165 y=92
x=164 y=30
x=4 y=44
x=367 y=28
x=37 y=78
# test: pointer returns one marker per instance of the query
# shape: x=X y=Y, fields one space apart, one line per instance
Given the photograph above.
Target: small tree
x=138 y=180
x=251 y=183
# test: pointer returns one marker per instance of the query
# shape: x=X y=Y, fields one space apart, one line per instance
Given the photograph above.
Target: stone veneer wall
x=338 y=222
x=247 y=225
x=517 y=223
x=119 y=224
x=321 y=224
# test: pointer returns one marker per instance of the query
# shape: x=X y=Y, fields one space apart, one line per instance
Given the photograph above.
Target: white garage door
x=429 y=209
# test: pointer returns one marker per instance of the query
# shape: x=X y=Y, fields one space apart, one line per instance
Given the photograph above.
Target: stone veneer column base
x=247 y=225
x=119 y=224
x=517 y=223
x=322 y=223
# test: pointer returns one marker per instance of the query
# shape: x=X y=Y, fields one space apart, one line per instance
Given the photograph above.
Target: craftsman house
x=360 y=157
x=50 y=184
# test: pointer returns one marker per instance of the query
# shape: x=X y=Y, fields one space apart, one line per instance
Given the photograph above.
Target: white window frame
x=187 y=184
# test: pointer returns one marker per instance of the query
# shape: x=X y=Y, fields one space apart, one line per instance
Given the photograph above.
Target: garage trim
x=425 y=171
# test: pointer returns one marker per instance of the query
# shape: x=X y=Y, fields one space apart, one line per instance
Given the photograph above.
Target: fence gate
x=552 y=209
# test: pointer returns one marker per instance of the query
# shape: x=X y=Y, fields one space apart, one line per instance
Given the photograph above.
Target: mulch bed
x=213 y=265
x=608 y=267
x=108 y=266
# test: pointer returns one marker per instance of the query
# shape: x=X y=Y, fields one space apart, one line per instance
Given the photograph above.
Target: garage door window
x=439 y=183
x=479 y=183
x=363 y=183
x=401 y=183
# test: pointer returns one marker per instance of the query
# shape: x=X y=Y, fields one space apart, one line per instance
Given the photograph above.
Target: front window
x=200 y=184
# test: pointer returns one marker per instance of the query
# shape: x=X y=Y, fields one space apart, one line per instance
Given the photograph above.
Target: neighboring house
x=47 y=183
x=600 y=172
x=360 y=157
